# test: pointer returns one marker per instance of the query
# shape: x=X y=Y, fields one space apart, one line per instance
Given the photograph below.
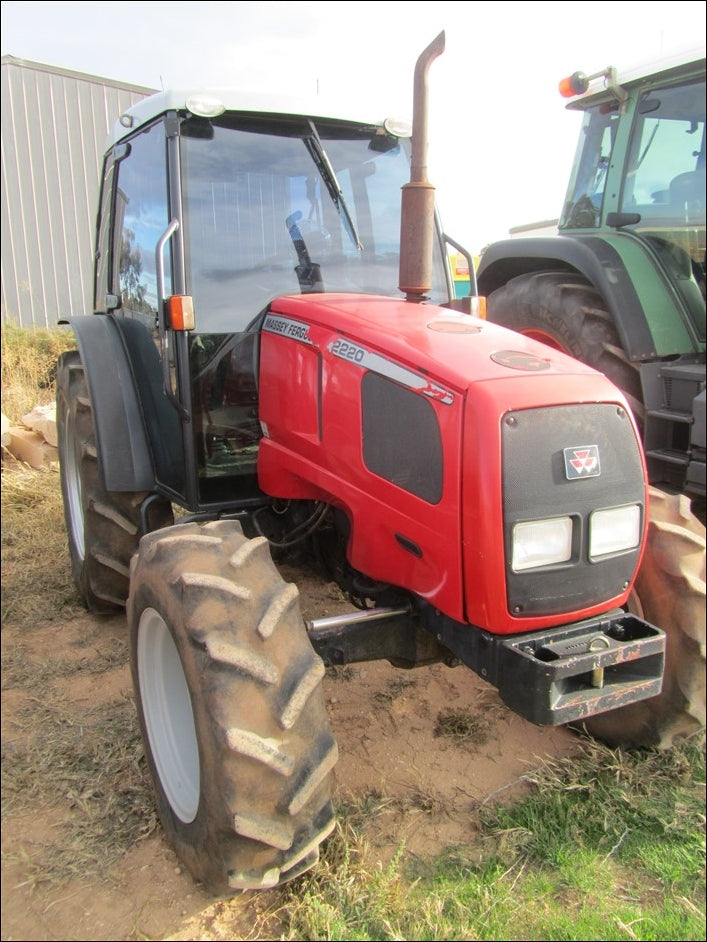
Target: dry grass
x=360 y=809
x=36 y=577
x=397 y=688
x=465 y=728
x=472 y=727
x=79 y=766
x=22 y=670
x=28 y=363
x=37 y=585
x=88 y=771
x=73 y=760
x=72 y=751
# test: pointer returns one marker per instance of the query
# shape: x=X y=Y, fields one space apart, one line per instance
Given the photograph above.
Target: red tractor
x=276 y=365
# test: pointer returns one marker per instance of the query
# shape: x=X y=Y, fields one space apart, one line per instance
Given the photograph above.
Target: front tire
x=231 y=707
x=670 y=593
x=103 y=527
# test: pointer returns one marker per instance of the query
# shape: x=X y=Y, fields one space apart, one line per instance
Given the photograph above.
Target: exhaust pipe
x=418 y=199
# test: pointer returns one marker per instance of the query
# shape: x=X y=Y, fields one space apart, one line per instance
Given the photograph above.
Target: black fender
x=592 y=257
x=138 y=431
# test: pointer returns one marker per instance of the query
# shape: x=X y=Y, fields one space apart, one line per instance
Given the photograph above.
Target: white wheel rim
x=74 y=493
x=168 y=714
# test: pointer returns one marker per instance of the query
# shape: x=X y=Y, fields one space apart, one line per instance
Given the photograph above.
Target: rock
x=42 y=419
x=31 y=447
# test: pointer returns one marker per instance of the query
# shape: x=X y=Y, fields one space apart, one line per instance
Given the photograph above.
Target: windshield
x=655 y=178
x=662 y=175
x=585 y=194
x=277 y=205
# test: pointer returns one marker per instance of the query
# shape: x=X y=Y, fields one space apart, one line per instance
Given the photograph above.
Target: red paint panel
x=315 y=351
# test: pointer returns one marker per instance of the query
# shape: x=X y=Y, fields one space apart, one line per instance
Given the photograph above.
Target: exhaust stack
x=418 y=198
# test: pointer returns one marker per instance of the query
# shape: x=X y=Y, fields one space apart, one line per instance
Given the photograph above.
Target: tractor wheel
x=231 y=707
x=565 y=312
x=669 y=593
x=104 y=528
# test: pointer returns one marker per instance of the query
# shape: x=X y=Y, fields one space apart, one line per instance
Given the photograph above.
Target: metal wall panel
x=54 y=128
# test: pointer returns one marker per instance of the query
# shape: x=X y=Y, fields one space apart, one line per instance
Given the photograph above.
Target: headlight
x=541 y=543
x=614 y=531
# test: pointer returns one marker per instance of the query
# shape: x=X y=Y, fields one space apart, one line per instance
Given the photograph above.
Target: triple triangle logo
x=582 y=461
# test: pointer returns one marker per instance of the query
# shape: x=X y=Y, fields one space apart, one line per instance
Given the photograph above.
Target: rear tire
x=103 y=528
x=231 y=707
x=565 y=312
x=669 y=593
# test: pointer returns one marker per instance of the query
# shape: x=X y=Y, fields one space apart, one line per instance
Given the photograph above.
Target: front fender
x=646 y=309
x=124 y=454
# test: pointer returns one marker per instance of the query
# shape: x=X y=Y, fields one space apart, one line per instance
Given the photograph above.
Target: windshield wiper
x=314 y=146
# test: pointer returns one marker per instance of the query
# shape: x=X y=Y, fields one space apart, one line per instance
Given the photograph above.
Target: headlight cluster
x=540 y=543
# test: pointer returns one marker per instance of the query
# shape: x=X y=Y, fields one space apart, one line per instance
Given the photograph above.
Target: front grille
x=535 y=486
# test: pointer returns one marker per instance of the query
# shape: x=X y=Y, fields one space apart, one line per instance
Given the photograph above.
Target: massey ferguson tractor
x=276 y=364
x=622 y=288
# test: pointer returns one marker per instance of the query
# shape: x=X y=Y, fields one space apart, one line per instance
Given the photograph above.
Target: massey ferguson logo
x=582 y=462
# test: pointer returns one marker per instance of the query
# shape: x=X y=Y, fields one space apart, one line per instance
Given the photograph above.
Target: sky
x=501 y=142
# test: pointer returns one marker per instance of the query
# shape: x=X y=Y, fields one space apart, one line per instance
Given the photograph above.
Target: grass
x=32 y=511
x=32 y=516
x=28 y=363
x=604 y=845
x=93 y=763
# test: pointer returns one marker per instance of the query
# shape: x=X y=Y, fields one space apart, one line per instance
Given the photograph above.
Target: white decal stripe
x=346 y=350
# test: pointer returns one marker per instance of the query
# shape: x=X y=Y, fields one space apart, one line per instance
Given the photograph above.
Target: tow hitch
x=563 y=677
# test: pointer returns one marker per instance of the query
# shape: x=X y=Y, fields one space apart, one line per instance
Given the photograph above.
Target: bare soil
x=423 y=749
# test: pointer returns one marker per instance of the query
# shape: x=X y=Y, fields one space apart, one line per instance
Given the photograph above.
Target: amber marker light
x=181 y=312
x=478 y=306
x=575 y=84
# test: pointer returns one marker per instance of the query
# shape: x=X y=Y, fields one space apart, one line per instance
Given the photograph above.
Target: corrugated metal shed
x=54 y=128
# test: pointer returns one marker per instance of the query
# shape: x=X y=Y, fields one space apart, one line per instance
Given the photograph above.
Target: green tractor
x=622 y=288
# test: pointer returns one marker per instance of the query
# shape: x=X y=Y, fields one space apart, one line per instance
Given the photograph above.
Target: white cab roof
x=236 y=100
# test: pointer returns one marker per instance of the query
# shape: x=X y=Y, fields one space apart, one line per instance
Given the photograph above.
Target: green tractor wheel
x=565 y=312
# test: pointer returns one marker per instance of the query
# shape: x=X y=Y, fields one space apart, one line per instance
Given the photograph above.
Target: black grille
x=401 y=437
x=535 y=486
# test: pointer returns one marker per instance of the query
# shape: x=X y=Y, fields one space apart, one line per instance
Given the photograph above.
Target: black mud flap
x=569 y=674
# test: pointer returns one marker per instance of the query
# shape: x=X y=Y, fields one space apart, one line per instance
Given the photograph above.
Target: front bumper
x=566 y=674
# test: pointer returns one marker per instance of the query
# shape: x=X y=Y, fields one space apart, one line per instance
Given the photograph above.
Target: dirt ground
x=392 y=743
